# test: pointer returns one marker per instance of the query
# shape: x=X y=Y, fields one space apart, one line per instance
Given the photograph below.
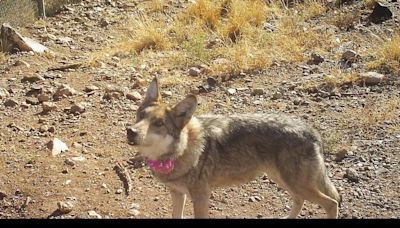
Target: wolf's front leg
x=178 y=203
x=201 y=198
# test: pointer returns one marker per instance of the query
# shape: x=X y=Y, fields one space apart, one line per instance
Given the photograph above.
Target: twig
x=124 y=176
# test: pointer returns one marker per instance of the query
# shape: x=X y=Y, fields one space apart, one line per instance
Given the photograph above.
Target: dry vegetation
x=388 y=54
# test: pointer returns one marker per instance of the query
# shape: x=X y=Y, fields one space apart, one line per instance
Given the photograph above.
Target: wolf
x=194 y=155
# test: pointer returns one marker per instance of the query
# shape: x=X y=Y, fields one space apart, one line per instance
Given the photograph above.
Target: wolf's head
x=159 y=128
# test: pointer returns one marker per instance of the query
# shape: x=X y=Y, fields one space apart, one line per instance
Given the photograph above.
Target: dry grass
x=156 y=5
x=242 y=45
x=371 y=115
x=312 y=8
x=345 y=20
x=388 y=54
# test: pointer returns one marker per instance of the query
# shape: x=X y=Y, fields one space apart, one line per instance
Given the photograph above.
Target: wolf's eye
x=159 y=123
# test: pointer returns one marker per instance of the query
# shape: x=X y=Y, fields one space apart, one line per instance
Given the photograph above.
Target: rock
x=65 y=207
x=194 y=71
x=32 y=78
x=28 y=200
x=297 y=101
x=64 y=40
x=43 y=98
x=380 y=14
x=231 y=91
x=78 y=108
x=43 y=128
x=32 y=101
x=22 y=63
x=2 y=195
x=64 y=91
x=134 y=96
x=93 y=214
x=52 y=129
x=104 y=23
x=351 y=175
x=371 y=78
x=211 y=81
x=69 y=162
x=11 y=103
x=257 y=91
x=91 y=88
x=11 y=40
x=166 y=93
x=134 y=212
x=3 y=93
x=78 y=159
x=315 y=59
x=350 y=56
x=134 y=206
x=277 y=95
x=48 y=106
x=119 y=191
x=341 y=154
x=57 y=146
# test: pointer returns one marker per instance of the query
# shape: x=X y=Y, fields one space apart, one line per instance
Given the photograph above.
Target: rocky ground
x=86 y=106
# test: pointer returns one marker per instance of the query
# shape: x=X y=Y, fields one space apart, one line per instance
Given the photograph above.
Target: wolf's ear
x=183 y=111
x=152 y=94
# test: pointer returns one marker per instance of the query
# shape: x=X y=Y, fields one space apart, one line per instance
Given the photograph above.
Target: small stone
x=134 y=212
x=134 y=96
x=257 y=91
x=231 y=91
x=93 y=214
x=11 y=103
x=351 y=175
x=2 y=195
x=28 y=200
x=350 y=56
x=52 y=129
x=69 y=162
x=194 y=71
x=48 y=106
x=315 y=59
x=57 y=146
x=43 y=128
x=134 y=206
x=119 y=191
x=43 y=98
x=32 y=101
x=167 y=93
x=32 y=78
x=3 y=93
x=277 y=95
x=341 y=154
x=65 y=207
x=22 y=63
x=78 y=108
x=91 y=88
x=78 y=158
x=371 y=78
x=64 y=91
x=297 y=101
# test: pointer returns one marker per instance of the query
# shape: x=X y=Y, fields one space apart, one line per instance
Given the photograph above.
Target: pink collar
x=163 y=167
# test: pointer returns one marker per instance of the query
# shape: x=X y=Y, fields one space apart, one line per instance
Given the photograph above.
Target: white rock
x=3 y=93
x=94 y=214
x=231 y=91
x=65 y=207
x=372 y=78
x=57 y=146
x=194 y=71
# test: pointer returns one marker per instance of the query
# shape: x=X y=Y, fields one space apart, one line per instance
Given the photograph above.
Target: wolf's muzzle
x=132 y=135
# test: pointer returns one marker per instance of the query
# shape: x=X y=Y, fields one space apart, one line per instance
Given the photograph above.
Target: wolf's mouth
x=163 y=167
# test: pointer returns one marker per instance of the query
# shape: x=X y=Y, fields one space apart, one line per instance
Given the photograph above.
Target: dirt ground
x=358 y=120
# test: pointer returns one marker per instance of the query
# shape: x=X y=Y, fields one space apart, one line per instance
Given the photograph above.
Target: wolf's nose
x=132 y=135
